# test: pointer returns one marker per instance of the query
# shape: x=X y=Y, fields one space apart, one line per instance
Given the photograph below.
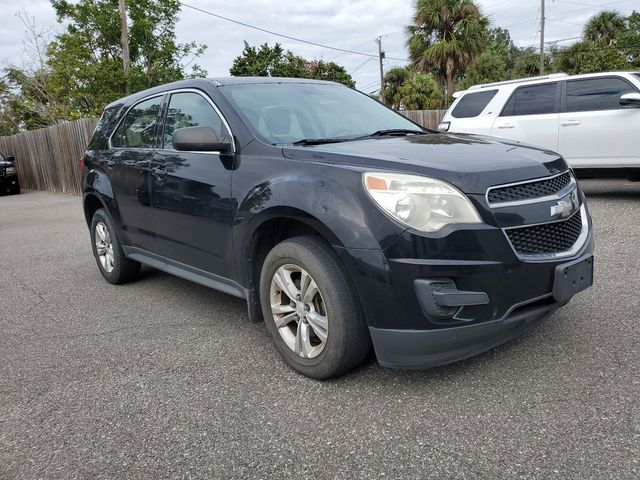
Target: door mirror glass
x=11 y=159
x=630 y=100
x=199 y=139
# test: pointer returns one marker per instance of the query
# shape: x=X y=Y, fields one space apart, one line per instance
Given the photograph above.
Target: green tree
x=629 y=40
x=500 y=43
x=85 y=60
x=604 y=27
x=395 y=78
x=445 y=37
x=588 y=57
x=489 y=67
x=527 y=63
x=267 y=61
x=420 y=92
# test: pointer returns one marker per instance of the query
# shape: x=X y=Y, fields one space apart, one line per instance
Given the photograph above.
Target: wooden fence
x=48 y=159
x=426 y=118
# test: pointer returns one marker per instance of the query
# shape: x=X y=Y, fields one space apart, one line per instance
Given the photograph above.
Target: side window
x=472 y=104
x=596 y=94
x=532 y=100
x=191 y=110
x=139 y=127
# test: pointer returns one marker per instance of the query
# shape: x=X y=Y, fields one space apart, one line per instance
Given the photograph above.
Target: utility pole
x=541 y=37
x=381 y=57
x=124 y=40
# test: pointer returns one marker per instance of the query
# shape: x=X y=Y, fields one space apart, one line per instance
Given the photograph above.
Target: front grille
x=546 y=239
x=526 y=191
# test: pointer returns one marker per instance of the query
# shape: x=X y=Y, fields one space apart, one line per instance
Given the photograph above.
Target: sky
x=347 y=24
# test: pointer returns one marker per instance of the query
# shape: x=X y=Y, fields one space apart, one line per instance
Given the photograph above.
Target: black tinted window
x=532 y=100
x=191 y=110
x=596 y=94
x=139 y=127
x=472 y=104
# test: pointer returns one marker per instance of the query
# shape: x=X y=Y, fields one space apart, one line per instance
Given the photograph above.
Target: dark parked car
x=342 y=223
x=9 y=182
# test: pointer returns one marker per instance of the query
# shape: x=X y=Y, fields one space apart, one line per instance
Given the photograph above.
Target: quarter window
x=472 y=104
x=596 y=94
x=189 y=109
x=138 y=129
x=532 y=100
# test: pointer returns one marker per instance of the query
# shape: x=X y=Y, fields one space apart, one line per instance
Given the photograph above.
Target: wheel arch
x=271 y=227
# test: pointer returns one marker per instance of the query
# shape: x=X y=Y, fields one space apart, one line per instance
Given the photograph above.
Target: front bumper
x=9 y=183
x=412 y=349
x=519 y=294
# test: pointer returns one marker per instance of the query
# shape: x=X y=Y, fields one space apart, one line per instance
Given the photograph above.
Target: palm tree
x=446 y=36
x=604 y=27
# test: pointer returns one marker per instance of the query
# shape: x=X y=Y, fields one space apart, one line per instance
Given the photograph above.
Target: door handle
x=507 y=125
x=570 y=123
x=159 y=172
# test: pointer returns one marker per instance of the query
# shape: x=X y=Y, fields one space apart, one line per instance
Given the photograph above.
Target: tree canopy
x=446 y=36
x=267 y=61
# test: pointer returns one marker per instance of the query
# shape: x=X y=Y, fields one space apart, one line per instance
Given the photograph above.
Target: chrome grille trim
x=556 y=196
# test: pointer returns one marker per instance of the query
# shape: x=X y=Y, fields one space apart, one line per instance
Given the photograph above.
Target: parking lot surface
x=163 y=378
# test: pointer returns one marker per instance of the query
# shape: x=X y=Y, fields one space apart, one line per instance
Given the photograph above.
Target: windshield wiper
x=377 y=133
x=395 y=131
x=320 y=141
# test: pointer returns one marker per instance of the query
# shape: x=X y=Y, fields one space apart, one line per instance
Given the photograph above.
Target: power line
x=289 y=37
x=360 y=66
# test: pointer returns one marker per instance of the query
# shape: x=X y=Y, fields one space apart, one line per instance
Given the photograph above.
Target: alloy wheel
x=299 y=311
x=104 y=247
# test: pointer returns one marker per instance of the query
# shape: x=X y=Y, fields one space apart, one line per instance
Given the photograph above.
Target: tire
x=114 y=266
x=299 y=336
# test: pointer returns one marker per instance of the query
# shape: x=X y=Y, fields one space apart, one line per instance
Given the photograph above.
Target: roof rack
x=519 y=80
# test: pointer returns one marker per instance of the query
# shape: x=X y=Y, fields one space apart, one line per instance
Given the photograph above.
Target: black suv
x=9 y=182
x=342 y=223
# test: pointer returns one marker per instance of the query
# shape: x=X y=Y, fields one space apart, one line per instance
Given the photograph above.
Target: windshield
x=637 y=74
x=291 y=112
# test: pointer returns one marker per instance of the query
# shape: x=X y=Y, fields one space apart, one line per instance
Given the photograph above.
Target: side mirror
x=11 y=159
x=630 y=100
x=199 y=139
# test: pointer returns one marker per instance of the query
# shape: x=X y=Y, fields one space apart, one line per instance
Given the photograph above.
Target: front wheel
x=310 y=310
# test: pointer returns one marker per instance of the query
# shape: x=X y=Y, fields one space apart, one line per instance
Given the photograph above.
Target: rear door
x=595 y=131
x=531 y=116
x=191 y=191
x=131 y=150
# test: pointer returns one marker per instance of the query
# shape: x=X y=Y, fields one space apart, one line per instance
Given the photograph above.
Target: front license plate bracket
x=572 y=278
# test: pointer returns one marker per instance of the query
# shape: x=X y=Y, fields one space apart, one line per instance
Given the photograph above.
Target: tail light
x=81 y=164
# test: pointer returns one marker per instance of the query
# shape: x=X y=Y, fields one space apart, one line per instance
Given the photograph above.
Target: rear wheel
x=310 y=310
x=114 y=266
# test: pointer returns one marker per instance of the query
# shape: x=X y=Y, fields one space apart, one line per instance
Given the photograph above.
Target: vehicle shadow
x=610 y=188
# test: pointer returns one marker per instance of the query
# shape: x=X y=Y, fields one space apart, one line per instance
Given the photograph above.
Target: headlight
x=422 y=203
x=10 y=170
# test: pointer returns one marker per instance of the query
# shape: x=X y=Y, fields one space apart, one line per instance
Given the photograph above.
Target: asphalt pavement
x=163 y=378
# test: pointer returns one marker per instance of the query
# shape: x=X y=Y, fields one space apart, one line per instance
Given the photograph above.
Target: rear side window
x=472 y=104
x=138 y=129
x=596 y=94
x=532 y=100
x=191 y=110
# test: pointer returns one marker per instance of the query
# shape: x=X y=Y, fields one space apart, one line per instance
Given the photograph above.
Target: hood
x=471 y=163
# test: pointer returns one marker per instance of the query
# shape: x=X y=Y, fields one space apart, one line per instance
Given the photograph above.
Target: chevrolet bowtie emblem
x=565 y=206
